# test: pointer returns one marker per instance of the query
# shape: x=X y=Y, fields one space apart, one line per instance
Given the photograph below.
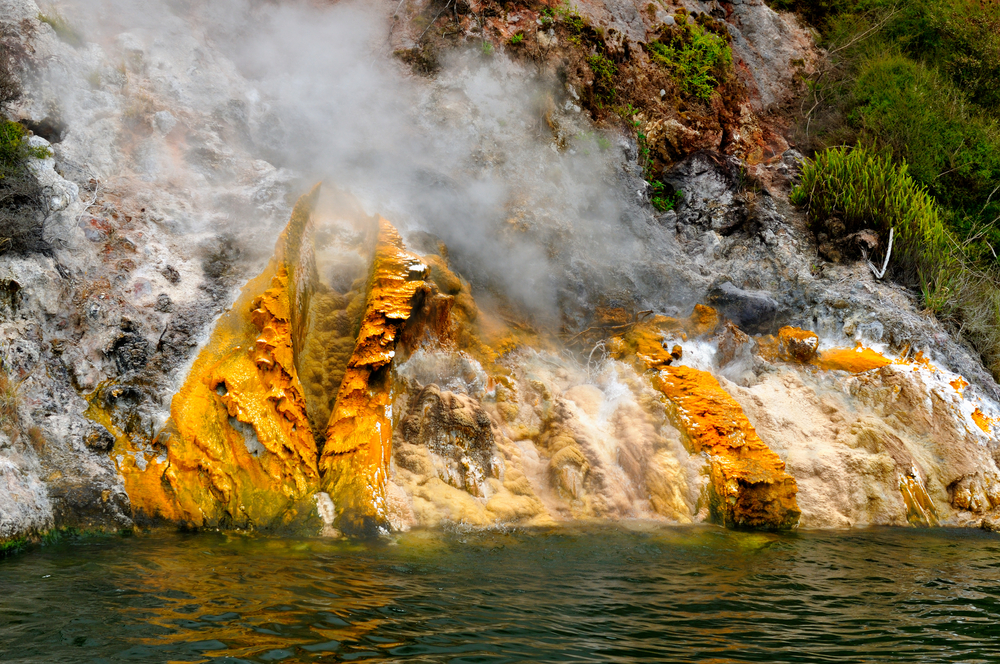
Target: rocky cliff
x=592 y=298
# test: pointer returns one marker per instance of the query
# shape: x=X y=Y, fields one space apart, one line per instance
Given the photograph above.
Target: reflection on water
x=635 y=593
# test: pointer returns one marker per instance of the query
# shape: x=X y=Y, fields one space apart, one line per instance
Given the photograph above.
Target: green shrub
x=925 y=119
x=572 y=19
x=63 y=29
x=14 y=149
x=961 y=38
x=697 y=58
x=663 y=199
x=866 y=189
x=604 y=76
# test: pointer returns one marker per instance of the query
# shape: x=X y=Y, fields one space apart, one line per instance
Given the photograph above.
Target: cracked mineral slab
x=238 y=450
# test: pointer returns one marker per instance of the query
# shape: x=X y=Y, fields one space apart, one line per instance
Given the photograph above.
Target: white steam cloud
x=491 y=157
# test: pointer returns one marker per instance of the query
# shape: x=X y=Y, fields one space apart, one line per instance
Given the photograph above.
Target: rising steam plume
x=491 y=157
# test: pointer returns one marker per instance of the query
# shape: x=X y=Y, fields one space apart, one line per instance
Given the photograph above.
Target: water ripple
x=582 y=594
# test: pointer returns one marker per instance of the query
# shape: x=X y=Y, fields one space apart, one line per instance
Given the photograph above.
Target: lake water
x=627 y=593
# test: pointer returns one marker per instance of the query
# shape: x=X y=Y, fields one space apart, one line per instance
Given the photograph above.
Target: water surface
x=626 y=593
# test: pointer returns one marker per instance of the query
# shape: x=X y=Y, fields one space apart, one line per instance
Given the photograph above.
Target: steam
x=490 y=156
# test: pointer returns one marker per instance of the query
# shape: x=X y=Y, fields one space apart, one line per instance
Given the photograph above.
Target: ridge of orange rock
x=238 y=450
x=358 y=437
x=750 y=487
x=851 y=360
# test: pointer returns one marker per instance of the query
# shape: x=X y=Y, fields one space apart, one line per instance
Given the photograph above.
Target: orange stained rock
x=703 y=320
x=959 y=384
x=358 y=436
x=919 y=508
x=645 y=338
x=797 y=345
x=750 y=487
x=922 y=360
x=852 y=360
x=238 y=449
x=983 y=421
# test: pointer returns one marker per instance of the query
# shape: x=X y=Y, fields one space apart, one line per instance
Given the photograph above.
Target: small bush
x=15 y=150
x=63 y=29
x=866 y=189
x=663 y=199
x=697 y=58
x=571 y=19
x=604 y=76
x=517 y=39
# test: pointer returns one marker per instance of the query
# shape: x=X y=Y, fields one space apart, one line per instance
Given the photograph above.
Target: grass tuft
x=867 y=189
x=64 y=30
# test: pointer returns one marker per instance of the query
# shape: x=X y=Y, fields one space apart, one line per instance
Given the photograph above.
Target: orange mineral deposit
x=358 y=437
x=852 y=360
x=238 y=450
x=750 y=487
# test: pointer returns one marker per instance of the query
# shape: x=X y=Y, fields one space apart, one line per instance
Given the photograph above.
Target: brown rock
x=797 y=345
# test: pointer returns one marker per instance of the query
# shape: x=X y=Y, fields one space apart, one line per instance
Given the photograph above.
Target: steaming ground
x=492 y=157
x=189 y=128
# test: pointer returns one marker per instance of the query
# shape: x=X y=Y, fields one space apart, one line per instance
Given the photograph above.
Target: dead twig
x=881 y=273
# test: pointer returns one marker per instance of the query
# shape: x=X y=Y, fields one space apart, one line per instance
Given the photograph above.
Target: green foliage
x=571 y=19
x=604 y=76
x=14 y=149
x=867 y=189
x=697 y=58
x=63 y=29
x=487 y=48
x=961 y=38
x=951 y=147
x=662 y=198
x=516 y=39
x=628 y=112
x=13 y=546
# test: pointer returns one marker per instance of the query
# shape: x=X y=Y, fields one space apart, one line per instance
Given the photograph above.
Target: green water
x=587 y=594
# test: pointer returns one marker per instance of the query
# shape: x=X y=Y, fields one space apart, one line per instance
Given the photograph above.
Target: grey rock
x=755 y=312
x=98 y=438
x=164 y=121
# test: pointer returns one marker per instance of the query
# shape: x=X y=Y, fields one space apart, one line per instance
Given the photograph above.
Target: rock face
x=562 y=351
x=358 y=438
x=459 y=435
x=238 y=450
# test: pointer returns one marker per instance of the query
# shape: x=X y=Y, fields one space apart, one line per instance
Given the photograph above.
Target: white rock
x=164 y=121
